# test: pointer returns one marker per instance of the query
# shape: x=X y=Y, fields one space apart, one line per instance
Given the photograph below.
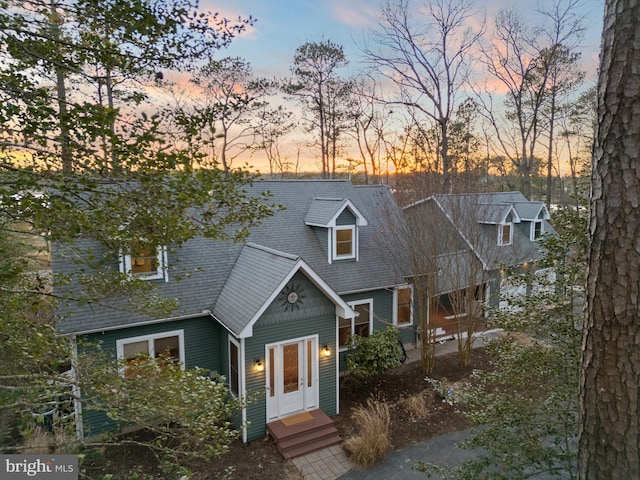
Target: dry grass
x=40 y=441
x=415 y=405
x=374 y=439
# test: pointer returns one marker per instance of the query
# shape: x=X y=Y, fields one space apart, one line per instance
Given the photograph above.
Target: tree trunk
x=63 y=112
x=609 y=429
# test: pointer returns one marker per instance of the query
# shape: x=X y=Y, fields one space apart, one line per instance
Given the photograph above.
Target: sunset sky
x=284 y=25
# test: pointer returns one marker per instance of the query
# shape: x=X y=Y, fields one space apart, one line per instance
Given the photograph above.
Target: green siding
x=316 y=316
x=201 y=345
x=346 y=218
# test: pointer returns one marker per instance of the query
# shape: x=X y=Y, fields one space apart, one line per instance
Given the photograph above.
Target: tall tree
x=322 y=91
x=427 y=59
x=560 y=59
x=271 y=125
x=99 y=57
x=609 y=427
x=369 y=122
x=220 y=119
x=531 y=65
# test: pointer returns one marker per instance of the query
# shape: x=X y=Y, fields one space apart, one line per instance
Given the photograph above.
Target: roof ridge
x=273 y=251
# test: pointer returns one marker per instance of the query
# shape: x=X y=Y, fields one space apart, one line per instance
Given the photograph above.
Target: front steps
x=303 y=433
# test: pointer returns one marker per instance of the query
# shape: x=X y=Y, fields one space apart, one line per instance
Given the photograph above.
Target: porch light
x=259 y=366
x=326 y=351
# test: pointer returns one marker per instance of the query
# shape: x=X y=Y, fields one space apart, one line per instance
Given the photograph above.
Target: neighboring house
x=271 y=315
x=477 y=239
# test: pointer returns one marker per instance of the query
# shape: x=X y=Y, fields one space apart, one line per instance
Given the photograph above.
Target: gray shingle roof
x=493 y=214
x=531 y=210
x=475 y=216
x=257 y=275
x=230 y=280
x=323 y=212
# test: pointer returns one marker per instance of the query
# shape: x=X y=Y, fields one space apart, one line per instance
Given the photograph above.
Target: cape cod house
x=271 y=315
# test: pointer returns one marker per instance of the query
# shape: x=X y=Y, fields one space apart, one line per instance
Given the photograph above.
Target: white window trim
x=354 y=242
x=395 y=307
x=532 y=230
x=353 y=320
x=237 y=345
x=120 y=343
x=500 y=227
x=161 y=272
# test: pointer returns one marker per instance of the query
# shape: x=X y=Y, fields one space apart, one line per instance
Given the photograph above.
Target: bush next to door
x=375 y=353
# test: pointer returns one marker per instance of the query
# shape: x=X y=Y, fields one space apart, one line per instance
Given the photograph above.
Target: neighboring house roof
x=476 y=218
x=532 y=210
x=496 y=214
x=232 y=281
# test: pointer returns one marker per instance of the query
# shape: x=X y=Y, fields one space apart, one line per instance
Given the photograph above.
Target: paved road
x=399 y=465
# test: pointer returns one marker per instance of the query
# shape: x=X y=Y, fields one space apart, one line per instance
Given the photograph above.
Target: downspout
x=243 y=389
x=77 y=404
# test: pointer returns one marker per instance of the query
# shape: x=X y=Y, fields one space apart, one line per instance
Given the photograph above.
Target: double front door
x=292 y=377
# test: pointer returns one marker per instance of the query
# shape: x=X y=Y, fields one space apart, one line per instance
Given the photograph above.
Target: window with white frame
x=403 y=306
x=234 y=367
x=166 y=346
x=360 y=325
x=146 y=262
x=344 y=242
x=537 y=229
x=505 y=233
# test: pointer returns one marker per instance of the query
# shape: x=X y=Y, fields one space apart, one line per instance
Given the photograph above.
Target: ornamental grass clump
x=373 y=440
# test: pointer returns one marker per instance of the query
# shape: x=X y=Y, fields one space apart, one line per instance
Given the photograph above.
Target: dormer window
x=146 y=262
x=344 y=242
x=537 y=229
x=505 y=234
x=341 y=221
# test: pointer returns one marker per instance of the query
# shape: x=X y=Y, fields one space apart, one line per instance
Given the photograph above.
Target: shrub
x=375 y=353
x=374 y=440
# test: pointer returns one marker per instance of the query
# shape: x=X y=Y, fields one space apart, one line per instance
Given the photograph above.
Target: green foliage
x=187 y=414
x=527 y=404
x=82 y=162
x=375 y=353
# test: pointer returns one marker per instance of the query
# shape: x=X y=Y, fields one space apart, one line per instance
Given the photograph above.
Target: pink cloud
x=356 y=13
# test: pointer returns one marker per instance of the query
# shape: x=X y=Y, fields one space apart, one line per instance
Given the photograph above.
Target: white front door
x=292 y=376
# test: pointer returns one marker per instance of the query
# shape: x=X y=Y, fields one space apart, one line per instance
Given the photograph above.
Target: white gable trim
x=360 y=220
x=545 y=214
x=515 y=218
x=342 y=308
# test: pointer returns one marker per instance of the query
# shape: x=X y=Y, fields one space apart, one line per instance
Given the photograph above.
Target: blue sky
x=283 y=25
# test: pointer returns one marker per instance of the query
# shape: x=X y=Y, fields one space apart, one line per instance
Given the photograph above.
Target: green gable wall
x=346 y=218
x=316 y=315
x=201 y=344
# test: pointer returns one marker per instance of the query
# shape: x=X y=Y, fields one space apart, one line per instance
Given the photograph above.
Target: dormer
x=502 y=215
x=534 y=214
x=341 y=220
